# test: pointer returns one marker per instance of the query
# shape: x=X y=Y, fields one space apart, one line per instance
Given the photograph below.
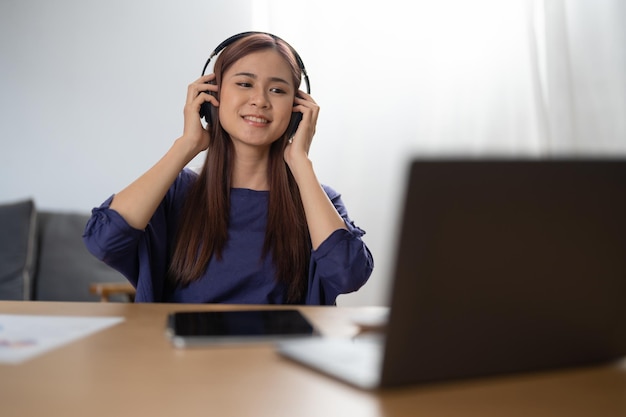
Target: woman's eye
x=277 y=90
x=244 y=84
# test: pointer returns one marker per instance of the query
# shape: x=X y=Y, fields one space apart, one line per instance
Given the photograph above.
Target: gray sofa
x=42 y=256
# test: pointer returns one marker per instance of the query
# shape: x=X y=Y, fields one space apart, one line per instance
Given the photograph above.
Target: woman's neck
x=250 y=171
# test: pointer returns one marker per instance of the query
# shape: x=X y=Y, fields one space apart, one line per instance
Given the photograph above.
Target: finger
x=206 y=78
x=309 y=110
x=302 y=96
x=196 y=88
x=204 y=97
x=193 y=104
x=204 y=83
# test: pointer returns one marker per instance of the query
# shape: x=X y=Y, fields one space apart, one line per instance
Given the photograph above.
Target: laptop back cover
x=508 y=266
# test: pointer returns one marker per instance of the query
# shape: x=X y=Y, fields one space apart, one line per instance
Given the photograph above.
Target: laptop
x=502 y=266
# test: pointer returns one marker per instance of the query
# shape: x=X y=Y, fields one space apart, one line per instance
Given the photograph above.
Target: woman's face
x=256 y=98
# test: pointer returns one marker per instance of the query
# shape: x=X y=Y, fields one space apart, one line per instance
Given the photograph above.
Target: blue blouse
x=341 y=264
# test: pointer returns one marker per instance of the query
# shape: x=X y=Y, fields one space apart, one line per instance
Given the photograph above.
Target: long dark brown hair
x=203 y=225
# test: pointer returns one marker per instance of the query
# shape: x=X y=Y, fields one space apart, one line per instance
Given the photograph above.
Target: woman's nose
x=259 y=98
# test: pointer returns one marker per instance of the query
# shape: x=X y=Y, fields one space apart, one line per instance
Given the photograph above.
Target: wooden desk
x=132 y=370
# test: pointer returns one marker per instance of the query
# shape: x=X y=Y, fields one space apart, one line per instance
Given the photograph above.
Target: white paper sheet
x=23 y=337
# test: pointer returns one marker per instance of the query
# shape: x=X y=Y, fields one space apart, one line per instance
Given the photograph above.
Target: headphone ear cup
x=213 y=113
x=293 y=124
x=205 y=112
x=206 y=108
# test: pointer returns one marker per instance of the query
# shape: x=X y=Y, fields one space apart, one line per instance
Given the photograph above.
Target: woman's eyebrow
x=254 y=76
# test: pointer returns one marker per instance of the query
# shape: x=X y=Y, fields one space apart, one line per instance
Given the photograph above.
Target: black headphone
x=205 y=108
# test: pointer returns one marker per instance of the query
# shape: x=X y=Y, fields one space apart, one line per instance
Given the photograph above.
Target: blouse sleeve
x=140 y=255
x=112 y=240
x=342 y=263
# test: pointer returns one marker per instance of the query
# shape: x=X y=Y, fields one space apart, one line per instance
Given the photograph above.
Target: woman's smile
x=256 y=120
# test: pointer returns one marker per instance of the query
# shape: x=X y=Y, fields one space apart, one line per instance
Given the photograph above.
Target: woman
x=255 y=226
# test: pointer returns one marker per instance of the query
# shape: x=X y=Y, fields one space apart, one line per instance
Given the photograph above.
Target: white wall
x=91 y=92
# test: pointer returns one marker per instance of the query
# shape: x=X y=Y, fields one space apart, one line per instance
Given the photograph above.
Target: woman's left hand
x=300 y=143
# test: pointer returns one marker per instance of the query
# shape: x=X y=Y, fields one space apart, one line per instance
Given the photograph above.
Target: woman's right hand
x=194 y=134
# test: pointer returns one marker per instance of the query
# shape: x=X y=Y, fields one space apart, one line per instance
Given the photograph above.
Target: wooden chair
x=108 y=290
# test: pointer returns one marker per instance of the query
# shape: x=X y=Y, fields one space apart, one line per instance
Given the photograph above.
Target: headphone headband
x=238 y=36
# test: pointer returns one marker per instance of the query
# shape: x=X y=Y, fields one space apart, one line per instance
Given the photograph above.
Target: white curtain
x=394 y=79
x=584 y=100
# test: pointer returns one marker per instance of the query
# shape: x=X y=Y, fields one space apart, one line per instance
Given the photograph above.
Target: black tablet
x=198 y=328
